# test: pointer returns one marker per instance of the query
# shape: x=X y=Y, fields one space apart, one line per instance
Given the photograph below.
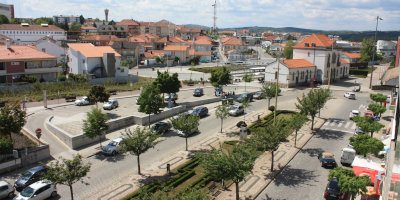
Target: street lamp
x=373 y=51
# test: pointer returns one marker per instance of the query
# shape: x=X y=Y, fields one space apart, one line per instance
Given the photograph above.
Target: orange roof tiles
x=154 y=53
x=343 y=61
x=183 y=29
x=99 y=38
x=88 y=28
x=20 y=53
x=91 y=51
x=297 y=63
x=352 y=55
x=30 y=27
x=270 y=37
x=233 y=41
x=127 y=22
x=175 y=39
x=146 y=38
x=319 y=40
x=203 y=40
x=392 y=73
x=176 y=48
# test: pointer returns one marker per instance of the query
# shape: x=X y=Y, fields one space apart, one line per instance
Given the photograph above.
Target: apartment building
x=292 y=72
x=61 y=19
x=7 y=10
x=28 y=34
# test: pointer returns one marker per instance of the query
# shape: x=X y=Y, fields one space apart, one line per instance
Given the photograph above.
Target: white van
x=348 y=155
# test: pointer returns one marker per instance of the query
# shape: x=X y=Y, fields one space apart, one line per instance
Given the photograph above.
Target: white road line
x=354 y=126
x=340 y=124
x=347 y=124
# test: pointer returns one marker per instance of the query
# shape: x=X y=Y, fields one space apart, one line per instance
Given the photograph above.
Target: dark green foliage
x=98 y=93
x=4 y=20
x=220 y=77
x=368 y=125
x=186 y=124
x=81 y=20
x=95 y=124
x=43 y=20
x=364 y=144
x=288 y=50
x=195 y=60
x=378 y=97
x=150 y=100
x=6 y=146
x=29 y=79
x=167 y=83
x=269 y=89
x=349 y=183
x=12 y=119
x=361 y=72
x=368 y=49
x=377 y=109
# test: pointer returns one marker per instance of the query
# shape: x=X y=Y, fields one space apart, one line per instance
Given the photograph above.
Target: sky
x=357 y=15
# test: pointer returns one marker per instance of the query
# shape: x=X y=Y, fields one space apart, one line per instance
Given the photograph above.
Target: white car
x=82 y=101
x=6 y=190
x=354 y=113
x=350 y=95
x=110 y=104
x=38 y=191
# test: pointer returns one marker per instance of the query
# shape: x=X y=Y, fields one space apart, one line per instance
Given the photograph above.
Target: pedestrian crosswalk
x=340 y=125
x=362 y=107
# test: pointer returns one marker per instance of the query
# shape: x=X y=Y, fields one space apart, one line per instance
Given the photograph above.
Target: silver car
x=110 y=104
x=236 y=110
x=6 y=190
x=113 y=147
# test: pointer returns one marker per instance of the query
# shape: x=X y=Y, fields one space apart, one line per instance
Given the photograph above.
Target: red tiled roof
x=91 y=51
x=319 y=40
x=183 y=29
x=17 y=53
x=270 y=37
x=88 y=28
x=144 y=38
x=392 y=73
x=30 y=27
x=175 y=39
x=154 y=53
x=176 y=48
x=203 y=40
x=297 y=63
x=343 y=61
x=352 y=55
x=127 y=22
x=99 y=38
x=233 y=41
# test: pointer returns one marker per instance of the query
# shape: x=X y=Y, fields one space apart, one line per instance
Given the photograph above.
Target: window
x=43 y=50
x=14 y=63
x=83 y=61
x=2 y=66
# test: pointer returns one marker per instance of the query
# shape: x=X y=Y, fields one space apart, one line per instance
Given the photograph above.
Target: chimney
x=8 y=43
x=106 y=12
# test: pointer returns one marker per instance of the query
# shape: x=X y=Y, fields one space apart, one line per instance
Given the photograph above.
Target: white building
x=292 y=72
x=321 y=51
x=61 y=19
x=7 y=10
x=386 y=48
x=100 y=61
x=28 y=34
x=52 y=47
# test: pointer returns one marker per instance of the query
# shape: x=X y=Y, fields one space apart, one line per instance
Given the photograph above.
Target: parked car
x=359 y=131
x=354 y=113
x=28 y=177
x=332 y=190
x=83 y=101
x=348 y=155
x=113 y=147
x=350 y=95
x=258 y=95
x=245 y=96
x=198 y=92
x=6 y=190
x=191 y=132
x=174 y=97
x=110 y=104
x=327 y=159
x=38 y=191
x=200 y=111
x=236 y=110
x=161 y=127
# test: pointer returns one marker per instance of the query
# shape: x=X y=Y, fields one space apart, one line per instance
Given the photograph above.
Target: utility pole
x=373 y=51
x=330 y=69
x=215 y=18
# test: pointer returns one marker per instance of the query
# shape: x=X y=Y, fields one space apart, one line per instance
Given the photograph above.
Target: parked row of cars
x=109 y=105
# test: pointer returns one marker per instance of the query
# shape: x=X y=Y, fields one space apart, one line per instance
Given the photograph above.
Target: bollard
x=168 y=168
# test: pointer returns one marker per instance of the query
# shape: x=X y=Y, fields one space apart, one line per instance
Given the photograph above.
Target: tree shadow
x=293 y=177
x=330 y=134
x=266 y=197
x=387 y=118
x=170 y=133
x=109 y=158
x=112 y=115
x=312 y=152
x=148 y=179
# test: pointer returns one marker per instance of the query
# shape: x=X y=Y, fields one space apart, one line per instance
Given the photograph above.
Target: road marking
x=347 y=124
x=340 y=124
x=354 y=126
x=361 y=106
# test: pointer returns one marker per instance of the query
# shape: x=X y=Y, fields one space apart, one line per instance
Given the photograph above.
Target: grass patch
x=210 y=69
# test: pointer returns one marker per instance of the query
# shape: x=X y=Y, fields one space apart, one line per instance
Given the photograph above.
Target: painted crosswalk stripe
x=340 y=124
x=331 y=122
x=347 y=124
x=354 y=126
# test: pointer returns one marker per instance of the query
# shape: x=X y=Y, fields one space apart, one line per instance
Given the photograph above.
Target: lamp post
x=373 y=51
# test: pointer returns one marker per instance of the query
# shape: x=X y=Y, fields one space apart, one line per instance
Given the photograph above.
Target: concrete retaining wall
x=10 y=165
x=36 y=154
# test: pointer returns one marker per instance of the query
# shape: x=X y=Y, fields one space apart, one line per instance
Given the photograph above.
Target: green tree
x=245 y=104
x=12 y=119
x=308 y=106
x=81 y=20
x=269 y=89
x=43 y=20
x=288 y=50
x=222 y=113
x=235 y=165
x=268 y=138
x=138 y=141
x=321 y=97
x=247 y=78
x=378 y=98
x=377 y=109
x=186 y=124
x=98 y=93
x=150 y=101
x=368 y=125
x=220 y=77
x=95 y=124
x=167 y=83
x=15 y=21
x=368 y=49
x=160 y=59
x=4 y=20
x=364 y=144
x=296 y=122
x=75 y=27
x=349 y=183
x=6 y=146
x=67 y=172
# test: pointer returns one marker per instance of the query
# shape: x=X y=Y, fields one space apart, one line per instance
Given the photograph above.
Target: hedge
x=182 y=178
x=201 y=182
x=232 y=142
x=361 y=72
x=268 y=119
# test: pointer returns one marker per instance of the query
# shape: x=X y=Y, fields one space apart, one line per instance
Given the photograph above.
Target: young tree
x=296 y=122
x=150 y=101
x=368 y=125
x=269 y=137
x=307 y=105
x=269 y=89
x=288 y=50
x=186 y=124
x=67 y=172
x=378 y=98
x=376 y=109
x=247 y=78
x=138 y=141
x=220 y=77
x=81 y=20
x=368 y=49
x=321 y=97
x=222 y=113
x=98 y=93
x=364 y=144
x=349 y=183
x=245 y=104
x=12 y=119
x=235 y=165
x=167 y=83
x=4 y=20
x=95 y=124
x=75 y=27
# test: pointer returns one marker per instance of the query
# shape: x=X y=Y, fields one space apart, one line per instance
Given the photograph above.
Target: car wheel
x=54 y=193
x=114 y=153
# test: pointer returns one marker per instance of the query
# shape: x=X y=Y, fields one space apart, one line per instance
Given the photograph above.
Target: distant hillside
x=196 y=26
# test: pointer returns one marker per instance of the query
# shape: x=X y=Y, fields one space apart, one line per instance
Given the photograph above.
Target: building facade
x=61 y=19
x=52 y=47
x=386 y=48
x=7 y=10
x=28 y=34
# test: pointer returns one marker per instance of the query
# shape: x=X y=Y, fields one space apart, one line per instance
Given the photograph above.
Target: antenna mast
x=214 y=31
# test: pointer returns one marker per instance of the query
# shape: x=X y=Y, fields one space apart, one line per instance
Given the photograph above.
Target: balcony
x=43 y=70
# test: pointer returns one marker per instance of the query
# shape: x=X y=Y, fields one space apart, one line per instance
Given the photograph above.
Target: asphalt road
x=304 y=178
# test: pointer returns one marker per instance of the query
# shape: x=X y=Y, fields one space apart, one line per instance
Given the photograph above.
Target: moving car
x=245 y=96
x=332 y=190
x=200 y=111
x=236 y=110
x=110 y=104
x=6 y=190
x=258 y=95
x=113 y=147
x=327 y=159
x=348 y=155
x=38 y=191
x=28 y=177
x=354 y=113
x=198 y=92
x=350 y=95
x=161 y=127
x=83 y=101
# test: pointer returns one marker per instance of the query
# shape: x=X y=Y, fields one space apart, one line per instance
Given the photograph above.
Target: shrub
x=182 y=178
x=28 y=78
x=62 y=78
x=6 y=146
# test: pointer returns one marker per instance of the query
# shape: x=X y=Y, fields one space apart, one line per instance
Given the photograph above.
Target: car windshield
x=113 y=143
x=26 y=175
x=27 y=192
